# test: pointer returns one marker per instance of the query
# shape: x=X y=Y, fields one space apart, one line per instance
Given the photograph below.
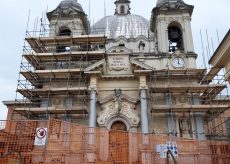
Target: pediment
x=95 y=66
x=140 y=65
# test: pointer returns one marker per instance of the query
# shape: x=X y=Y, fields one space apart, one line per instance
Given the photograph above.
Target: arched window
x=175 y=37
x=122 y=9
x=64 y=31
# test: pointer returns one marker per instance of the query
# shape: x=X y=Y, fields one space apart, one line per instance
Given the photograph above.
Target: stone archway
x=119 y=125
x=118 y=120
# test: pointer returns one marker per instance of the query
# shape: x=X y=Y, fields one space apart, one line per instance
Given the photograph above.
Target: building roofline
x=219 y=47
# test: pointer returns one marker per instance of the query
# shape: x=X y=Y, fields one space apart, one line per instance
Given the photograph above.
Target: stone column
x=144 y=112
x=90 y=148
x=146 y=149
x=92 y=110
x=144 y=108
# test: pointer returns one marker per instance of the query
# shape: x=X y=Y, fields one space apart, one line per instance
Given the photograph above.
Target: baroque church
x=122 y=75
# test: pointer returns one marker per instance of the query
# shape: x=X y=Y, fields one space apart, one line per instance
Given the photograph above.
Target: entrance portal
x=119 y=143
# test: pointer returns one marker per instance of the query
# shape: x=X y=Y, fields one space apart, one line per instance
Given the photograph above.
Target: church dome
x=160 y=2
x=129 y=26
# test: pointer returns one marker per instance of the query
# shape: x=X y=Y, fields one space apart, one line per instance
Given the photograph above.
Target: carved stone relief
x=110 y=112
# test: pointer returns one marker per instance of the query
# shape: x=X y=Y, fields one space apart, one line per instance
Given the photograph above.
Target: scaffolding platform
x=172 y=72
x=54 y=110
x=30 y=93
x=210 y=75
x=188 y=108
x=54 y=73
x=213 y=89
x=37 y=59
x=39 y=44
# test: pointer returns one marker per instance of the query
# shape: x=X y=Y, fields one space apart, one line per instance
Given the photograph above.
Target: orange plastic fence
x=58 y=142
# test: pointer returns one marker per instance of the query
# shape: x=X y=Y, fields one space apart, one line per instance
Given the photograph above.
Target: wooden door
x=119 y=143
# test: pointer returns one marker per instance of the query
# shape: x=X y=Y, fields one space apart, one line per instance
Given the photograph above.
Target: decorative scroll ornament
x=110 y=110
x=107 y=112
x=128 y=111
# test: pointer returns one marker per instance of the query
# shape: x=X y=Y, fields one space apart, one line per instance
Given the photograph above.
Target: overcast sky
x=213 y=15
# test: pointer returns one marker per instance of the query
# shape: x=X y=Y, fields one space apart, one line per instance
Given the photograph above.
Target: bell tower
x=122 y=7
x=171 y=22
x=68 y=18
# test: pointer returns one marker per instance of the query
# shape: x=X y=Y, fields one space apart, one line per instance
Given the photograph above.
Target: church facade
x=124 y=70
x=123 y=73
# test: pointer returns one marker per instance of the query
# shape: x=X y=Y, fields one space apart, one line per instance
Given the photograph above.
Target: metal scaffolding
x=179 y=95
x=51 y=79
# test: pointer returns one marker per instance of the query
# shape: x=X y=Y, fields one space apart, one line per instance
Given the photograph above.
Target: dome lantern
x=122 y=7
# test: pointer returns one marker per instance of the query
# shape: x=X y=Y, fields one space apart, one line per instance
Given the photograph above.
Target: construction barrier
x=58 y=142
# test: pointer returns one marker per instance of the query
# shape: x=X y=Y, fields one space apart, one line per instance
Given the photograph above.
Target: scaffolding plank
x=55 y=110
x=32 y=78
x=39 y=44
x=214 y=91
x=35 y=59
x=36 y=45
x=210 y=75
x=29 y=93
x=179 y=73
x=35 y=62
x=189 y=71
x=187 y=108
x=176 y=88
x=63 y=73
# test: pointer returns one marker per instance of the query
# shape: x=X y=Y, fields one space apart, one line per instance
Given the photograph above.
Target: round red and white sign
x=41 y=133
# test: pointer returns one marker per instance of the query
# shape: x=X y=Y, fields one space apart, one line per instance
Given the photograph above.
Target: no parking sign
x=40 y=137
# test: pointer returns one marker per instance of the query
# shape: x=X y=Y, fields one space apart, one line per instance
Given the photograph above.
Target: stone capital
x=92 y=90
x=143 y=87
